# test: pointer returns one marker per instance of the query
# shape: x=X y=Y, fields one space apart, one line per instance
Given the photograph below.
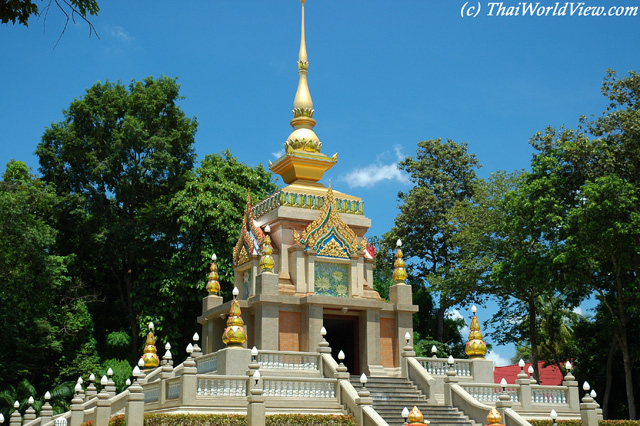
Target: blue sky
x=383 y=76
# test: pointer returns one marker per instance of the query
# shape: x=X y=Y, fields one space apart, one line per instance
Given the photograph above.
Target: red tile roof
x=550 y=375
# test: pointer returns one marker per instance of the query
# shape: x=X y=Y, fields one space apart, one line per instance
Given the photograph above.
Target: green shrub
x=152 y=419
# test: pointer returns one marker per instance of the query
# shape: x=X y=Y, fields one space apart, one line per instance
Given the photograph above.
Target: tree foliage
x=443 y=174
x=117 y=159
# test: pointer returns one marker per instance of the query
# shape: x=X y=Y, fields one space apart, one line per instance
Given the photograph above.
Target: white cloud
x=498 y=360
x=578 y=310
x=120 y=33
x=278 y=154
x=455 y=314
x=368 y=176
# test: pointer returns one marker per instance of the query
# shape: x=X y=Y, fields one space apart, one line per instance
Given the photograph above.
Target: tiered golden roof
x=150 y=356
x=475 y=348
x=213 y=285
x=302 y=159
x=234 y=334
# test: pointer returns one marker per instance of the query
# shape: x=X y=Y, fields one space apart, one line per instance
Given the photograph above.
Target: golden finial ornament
x=150 y=356
x=475 y=348
x=266 y=260
x=234 y=335
x=399 y=273
x=494 y=417
x=416 y=417
x=213 y=285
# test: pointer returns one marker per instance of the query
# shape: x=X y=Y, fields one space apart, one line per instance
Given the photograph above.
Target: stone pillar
x=30 y=414
x=267 y=326
x=573 y=395
x=188 y=382
x=208 y=336
x=255 y=401
x=407 y=351
x=16 y=418
x=91 y=389
x=524 y=392
x=77 y=411
x=103 y=410
x=449 y=380
x=363 y=399
x=46 y=413
x=341 y=371
x=503 y=402
x=370 y=359
x=589 y=411
x=111 y=385
x=401 y=298
x=134 y=413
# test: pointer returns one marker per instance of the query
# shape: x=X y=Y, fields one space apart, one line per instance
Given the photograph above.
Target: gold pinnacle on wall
x=494 y=417
x=303 y=159
x=213 y=285
x=399 y=274
x=266 y=260
x=234 y=335
x=150 y=356
x=475 y=348
x=416 y=417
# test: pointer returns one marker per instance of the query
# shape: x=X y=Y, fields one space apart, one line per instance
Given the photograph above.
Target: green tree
x=209 y=212
x=595 y=221
x=443 y=174
x=44 y=314
x=117 y=159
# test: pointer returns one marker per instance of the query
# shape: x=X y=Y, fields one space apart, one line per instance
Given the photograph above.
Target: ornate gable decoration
x=328 y=235
x=250 y=239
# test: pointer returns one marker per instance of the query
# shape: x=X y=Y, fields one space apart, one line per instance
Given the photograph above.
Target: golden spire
x=303 y=138
x=494 y=417
x=213 y=286
x=302 y=160
x=234 y=335
x=475 y=348
x=399 y=274
x=150 y=356
x=266 y=260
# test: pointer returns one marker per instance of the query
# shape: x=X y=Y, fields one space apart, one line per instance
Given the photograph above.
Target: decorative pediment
x=328 y=235
x=250 y=239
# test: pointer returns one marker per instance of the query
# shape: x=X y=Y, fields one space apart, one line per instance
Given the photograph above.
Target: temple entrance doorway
x=342 y=335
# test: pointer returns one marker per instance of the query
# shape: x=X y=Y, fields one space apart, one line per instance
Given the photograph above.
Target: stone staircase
x=390 y=395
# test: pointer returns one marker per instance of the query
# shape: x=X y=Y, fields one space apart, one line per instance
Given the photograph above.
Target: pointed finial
x=415 y=416
x=399 y=274
x=150 y=357
x=303 y=138
x=213 y=285
x=234 y=335
x=494 y=417
x=266 y=260
x=475 y=348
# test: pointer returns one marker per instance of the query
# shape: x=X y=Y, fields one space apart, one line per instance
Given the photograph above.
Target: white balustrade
x=548 y=394
x=222 y=386
x=490 y=392
x=294 y=388
x=288 y=361
x=439 y=366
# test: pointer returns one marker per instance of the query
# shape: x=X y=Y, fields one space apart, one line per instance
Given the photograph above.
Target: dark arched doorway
x=342 y=335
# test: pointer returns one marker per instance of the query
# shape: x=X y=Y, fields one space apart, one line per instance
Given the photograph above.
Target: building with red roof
x=549 y=375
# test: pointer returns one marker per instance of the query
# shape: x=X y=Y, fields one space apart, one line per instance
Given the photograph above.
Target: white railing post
x=407 y=351
x=188 y=380
x=77 y=411
x=135 y=406
x=524 y=391
x=449 y=380
x=588 y=408
x=16 y=418
x=103 y=409
x=46 y=413
x=255 y=407
x=573 y=395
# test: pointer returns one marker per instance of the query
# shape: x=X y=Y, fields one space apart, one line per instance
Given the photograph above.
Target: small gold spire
x=399 y=274
x=150 y=356
x=213 y=286
x=475 y=348
x=416 y=417
x=494 y=417
x=266 y=260
x=234 y=335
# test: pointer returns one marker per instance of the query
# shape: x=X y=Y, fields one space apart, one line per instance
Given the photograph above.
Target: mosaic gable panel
x=331 y=279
